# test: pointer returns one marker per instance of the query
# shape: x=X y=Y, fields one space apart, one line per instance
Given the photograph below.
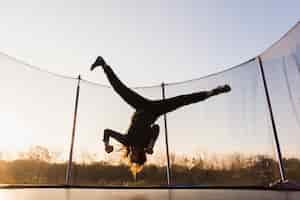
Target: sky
x=146 y=43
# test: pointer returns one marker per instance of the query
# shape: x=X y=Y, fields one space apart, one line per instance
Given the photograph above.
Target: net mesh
x=282 y=68
x=225 y=139
x=36 y=112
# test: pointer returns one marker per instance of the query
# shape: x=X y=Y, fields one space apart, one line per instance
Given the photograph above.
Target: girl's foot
x=99 y=62
x=222 y=89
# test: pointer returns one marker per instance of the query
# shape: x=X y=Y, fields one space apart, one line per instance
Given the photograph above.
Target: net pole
x=281 y=168
x=166 y=139
x=69 y=167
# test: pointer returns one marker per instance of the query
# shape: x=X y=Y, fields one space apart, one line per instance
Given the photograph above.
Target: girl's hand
x=149 y=150
x=108 y=148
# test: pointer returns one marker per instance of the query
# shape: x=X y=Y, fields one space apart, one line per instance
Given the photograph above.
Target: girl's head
x=136 y=157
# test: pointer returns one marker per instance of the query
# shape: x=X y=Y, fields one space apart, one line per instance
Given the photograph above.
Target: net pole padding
x=166 y=138
x=281 y=167
x=69 y=167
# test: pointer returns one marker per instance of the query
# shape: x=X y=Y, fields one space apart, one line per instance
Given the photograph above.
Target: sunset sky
x=150 y=38
x=147 y=43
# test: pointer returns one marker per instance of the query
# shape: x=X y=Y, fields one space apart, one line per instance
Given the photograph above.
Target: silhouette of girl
x=143 y=131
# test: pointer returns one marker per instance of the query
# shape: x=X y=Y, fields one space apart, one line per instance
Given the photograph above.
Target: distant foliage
x=38 y=166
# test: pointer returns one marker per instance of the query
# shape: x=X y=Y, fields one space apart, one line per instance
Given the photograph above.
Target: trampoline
x=252 y=152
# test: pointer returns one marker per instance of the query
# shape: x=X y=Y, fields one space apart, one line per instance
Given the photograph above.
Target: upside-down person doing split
x=143 y=132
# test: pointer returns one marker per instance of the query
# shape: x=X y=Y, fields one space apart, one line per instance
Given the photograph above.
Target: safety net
x=52 y=127
x=226 y=139
x=36 y=113
x=282 y=68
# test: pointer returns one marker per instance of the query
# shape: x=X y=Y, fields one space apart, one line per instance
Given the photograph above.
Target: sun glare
x=14 y=136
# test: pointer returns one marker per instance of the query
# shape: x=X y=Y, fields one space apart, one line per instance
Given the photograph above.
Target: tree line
x=38 y=167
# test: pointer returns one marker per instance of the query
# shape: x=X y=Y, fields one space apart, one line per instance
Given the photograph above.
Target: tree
x=38 y=153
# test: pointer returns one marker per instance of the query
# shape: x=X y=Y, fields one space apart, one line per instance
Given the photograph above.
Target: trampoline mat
x=145 y=194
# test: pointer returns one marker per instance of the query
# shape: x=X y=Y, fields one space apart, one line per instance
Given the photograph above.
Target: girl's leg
x=130 y=96
x=171 y=104
x=153 y=137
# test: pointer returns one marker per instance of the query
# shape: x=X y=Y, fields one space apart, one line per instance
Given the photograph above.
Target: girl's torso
x=139 y=131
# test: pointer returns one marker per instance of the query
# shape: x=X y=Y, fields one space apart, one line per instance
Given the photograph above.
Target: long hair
x=135 y=157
